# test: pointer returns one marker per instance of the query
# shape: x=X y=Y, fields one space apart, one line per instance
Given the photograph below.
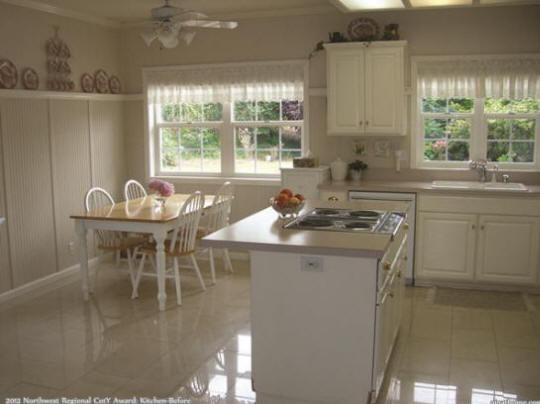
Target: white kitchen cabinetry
x=508 y=249
x=483 y=241
x=446 y=243
x=365 y=88
x=337 y=196
x=305 y=181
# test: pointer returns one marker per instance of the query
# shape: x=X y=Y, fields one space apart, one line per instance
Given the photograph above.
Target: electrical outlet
x=311 y=264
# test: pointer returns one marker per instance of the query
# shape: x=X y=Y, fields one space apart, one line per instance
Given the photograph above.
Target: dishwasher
x=410 y=199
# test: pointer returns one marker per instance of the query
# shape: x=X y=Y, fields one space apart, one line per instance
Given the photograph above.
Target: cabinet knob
x=333 y=199
x=361 y=123
x=391 y=294
x=405 y=258
x=474 y=227
x=367 y=123
x=398 y=274
x=482 y=227
x=386 y=266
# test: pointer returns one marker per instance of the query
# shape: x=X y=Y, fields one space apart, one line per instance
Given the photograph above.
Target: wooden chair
x=218 y=216
x=98 y=198
x=134 y=190
x=181 y=244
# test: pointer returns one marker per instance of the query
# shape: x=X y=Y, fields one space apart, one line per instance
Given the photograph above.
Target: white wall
x=24 y=32
x=482 y=30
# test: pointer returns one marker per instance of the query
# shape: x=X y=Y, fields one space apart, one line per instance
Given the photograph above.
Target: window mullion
x=227 y=139
x=479 y=131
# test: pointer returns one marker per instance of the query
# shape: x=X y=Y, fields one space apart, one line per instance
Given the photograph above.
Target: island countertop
x=264 y=231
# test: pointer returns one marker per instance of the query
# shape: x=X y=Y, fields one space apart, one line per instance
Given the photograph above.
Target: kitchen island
x=325 y=306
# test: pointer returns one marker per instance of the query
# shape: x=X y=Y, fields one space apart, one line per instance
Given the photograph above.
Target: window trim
x=152 y=155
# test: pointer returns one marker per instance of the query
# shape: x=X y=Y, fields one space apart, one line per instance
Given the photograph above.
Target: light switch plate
x=311 y=264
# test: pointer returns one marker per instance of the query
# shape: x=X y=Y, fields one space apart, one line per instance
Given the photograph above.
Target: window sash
x=478 y=140
x=226 y=129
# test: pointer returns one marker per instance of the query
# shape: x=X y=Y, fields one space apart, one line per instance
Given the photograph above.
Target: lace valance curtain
x=265 y=82
x=512 y=77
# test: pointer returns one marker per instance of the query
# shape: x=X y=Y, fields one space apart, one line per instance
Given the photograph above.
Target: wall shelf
x=64 y=95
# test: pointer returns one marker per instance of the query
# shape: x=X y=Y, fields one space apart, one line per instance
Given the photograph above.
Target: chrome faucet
x=481 y=168
x=506 y=178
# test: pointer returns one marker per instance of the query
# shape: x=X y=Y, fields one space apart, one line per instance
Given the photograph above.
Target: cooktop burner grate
x=364 y=213
x=358 y=225
x=326 y=212
x=315 y=223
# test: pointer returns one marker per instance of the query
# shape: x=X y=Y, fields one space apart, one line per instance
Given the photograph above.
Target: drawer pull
x=333 y=199
x=398 y=274
x=386 y=266
x=405 y=258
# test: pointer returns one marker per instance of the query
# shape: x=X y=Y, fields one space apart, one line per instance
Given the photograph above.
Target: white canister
x=339 y=170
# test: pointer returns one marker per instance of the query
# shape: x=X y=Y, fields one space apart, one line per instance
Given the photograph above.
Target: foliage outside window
x=503 y=131
x=266 y=136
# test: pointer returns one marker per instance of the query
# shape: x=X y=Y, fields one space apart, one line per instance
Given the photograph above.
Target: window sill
x=269 y=181
x=462 y=168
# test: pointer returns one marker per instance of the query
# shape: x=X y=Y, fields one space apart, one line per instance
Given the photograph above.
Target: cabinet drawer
x=498 y=205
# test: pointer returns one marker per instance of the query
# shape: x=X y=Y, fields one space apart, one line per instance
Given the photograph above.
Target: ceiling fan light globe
x=187 y=37
x=148 y=37
x=169 y=43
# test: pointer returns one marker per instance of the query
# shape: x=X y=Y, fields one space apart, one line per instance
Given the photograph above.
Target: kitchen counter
x=417 y=186
x=264 y=231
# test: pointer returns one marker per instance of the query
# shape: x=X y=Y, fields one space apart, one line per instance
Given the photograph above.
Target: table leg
x=159 y=238
x=80 y=228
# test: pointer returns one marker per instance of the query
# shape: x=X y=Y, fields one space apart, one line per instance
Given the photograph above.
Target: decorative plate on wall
x=30 y=79
x=102 y=81
x=363 y=29
x=8 y=74
x=114 y=85
x=87 y=83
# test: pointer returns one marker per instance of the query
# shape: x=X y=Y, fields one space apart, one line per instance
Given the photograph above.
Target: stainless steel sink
x=480 y=186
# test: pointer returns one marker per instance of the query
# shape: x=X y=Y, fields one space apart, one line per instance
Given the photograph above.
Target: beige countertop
x=417 y=186
x=264 y=231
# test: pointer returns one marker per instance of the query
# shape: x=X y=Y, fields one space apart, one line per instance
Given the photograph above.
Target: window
x=243 y=120
x=502 y=131
x=267 y=136
x=476 y=107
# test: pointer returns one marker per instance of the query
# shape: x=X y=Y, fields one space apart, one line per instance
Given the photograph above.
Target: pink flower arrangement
x=439 y=144
x=163 y=188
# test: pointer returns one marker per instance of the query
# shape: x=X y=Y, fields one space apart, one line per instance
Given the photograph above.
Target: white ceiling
x=116 y=12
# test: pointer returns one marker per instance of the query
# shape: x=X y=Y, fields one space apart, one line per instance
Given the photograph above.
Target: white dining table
x=142 y=215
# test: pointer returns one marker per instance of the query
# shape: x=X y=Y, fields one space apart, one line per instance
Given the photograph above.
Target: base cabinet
x=478 y=248
x=508 y=249
x=446 y=243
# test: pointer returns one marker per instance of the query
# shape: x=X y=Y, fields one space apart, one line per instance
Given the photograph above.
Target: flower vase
x=159 y=200
x=356 y=175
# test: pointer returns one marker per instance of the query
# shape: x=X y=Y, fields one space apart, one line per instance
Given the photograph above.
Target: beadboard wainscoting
x=51 y=151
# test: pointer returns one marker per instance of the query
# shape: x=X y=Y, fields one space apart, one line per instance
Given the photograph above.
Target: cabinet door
x=508 y=249
x=384 y=90
x=345 y=91
x=445 y=246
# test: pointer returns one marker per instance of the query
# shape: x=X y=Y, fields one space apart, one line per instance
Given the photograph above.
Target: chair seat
x=150 y=248
x=124 y=243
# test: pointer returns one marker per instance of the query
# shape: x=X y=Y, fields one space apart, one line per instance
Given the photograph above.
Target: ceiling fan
x=172 y=23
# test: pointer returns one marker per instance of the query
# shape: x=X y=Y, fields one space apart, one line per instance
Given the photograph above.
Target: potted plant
x=355 y=169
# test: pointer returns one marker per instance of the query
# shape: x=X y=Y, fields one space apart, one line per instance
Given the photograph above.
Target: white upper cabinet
x=365 y=88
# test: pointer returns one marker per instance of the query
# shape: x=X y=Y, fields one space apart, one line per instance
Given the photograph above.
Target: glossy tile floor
x=451 y=348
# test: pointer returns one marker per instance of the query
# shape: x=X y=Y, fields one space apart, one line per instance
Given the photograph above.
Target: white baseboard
x=50 y=282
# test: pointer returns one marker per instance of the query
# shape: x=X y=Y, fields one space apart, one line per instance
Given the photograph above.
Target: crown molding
x=63 y=12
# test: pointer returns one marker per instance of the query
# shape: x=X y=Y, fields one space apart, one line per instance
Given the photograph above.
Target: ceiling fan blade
x=208 y=24
x=187 y=36
x=148 y=36
x=190 y=15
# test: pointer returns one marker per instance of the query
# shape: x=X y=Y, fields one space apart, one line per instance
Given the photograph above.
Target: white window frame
x=226 y=129
x=478 y=142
